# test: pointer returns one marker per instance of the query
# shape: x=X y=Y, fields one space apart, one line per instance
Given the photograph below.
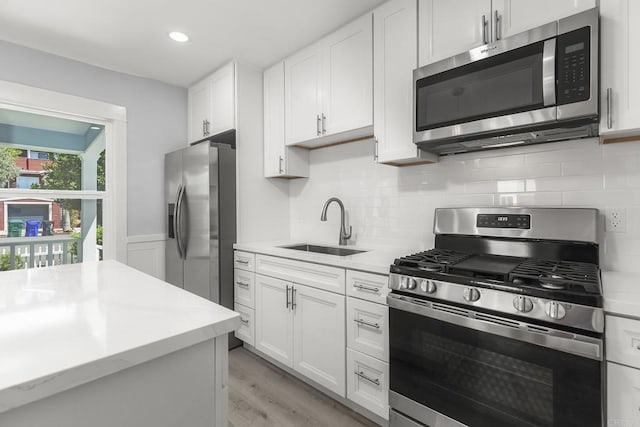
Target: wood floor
x=262 y=395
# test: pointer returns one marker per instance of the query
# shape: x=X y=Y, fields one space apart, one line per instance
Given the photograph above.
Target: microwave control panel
x=503 y=221
x=573 y=66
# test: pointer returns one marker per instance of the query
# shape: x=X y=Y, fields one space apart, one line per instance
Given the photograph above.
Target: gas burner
x=555 y=286
x=432 y=268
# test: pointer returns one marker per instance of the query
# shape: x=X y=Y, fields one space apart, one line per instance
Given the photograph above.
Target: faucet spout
x=344 y=236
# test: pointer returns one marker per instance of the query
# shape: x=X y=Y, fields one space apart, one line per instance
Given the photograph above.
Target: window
x=27 y=181
x=56 y=214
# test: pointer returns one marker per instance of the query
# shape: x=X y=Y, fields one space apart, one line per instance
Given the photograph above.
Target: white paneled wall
x=394 y=206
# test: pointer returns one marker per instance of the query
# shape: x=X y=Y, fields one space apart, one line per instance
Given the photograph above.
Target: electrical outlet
x=616 y=220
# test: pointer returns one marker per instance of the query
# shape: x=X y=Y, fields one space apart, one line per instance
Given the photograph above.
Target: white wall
x=156 y=115
x=263 y=204
x=394 y=206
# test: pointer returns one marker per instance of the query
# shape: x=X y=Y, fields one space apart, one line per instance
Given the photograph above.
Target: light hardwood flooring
x=262 y=395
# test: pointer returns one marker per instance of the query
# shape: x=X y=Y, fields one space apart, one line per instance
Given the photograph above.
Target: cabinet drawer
x=247 y=329
x=623 y=340
x=368 y=328
x=367 y=382
x=623 y=395
x=305 y=273
x=244 y=260
x=372 y=287
x=244 y=289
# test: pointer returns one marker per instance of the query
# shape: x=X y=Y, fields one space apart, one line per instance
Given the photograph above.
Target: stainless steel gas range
x=501 y=323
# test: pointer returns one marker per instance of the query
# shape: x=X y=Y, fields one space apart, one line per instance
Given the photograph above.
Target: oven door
x=480 y=370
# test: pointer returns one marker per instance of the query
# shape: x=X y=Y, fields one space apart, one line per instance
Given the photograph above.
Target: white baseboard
x=146 y=253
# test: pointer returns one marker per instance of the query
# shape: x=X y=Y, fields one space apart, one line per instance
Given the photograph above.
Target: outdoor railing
x=37 y=251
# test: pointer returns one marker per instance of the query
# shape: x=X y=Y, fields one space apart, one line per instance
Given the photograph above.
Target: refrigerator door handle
x=178 y=222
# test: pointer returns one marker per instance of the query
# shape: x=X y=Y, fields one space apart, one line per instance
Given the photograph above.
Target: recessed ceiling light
x=96 y=127
x=178 y=36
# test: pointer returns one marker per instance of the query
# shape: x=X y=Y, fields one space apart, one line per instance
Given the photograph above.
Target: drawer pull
x=362 y=322
x=364 y=377
x=246 y=322
x=243 y=261
x=367 y=288
x=243 y=284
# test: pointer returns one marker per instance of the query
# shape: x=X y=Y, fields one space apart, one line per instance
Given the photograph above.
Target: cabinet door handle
x=362 y=322
x=324 y=124
x=485 y=24
x=375 y=150
x=293 y=298
x=243 y=284
x=367 y=288
x=288 y=287
x=364 y=377
x=243 y=261
x=498 y=22
x=609 y=113
x=246 y=322
x=280 y=160
x=318 y=124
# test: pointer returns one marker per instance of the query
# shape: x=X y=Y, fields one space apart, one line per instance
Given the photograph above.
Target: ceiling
x=130 y=36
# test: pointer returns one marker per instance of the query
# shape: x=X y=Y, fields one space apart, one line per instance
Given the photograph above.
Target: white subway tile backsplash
x=394 y=206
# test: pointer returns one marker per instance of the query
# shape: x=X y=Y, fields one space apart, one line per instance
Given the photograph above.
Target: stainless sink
x=329 y=250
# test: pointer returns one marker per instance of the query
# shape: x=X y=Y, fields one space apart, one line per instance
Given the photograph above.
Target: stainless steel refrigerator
x=200 y=194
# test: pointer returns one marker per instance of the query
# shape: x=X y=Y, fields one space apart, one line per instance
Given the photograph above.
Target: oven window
x=503 y=84
x=481 y=379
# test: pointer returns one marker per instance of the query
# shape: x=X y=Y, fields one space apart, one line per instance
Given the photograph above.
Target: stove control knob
x=403 y=282
x=428 y=286
x=555 y=310
x=411 y=283
x=523 y=304
x=471 y=294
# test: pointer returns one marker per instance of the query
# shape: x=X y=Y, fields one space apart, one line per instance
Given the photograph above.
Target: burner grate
x=438 y=256
x=559 y=274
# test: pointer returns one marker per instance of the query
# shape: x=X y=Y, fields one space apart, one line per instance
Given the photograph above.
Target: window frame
x=113 y=117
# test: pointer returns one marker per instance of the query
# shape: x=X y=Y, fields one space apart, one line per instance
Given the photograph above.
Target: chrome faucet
x=343 y=231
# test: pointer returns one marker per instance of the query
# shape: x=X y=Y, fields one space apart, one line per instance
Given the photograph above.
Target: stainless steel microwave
x=537 y=86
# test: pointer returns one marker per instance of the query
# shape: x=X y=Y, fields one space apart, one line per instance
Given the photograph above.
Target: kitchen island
x=102 y=344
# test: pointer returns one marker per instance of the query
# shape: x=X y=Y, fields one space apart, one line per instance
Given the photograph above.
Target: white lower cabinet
x=246 y=332
x=318 y=336
x=244 y=288
x=623 y=395
x=368 y=328
x=274 y=327
x=303 y=328
x=368 y=382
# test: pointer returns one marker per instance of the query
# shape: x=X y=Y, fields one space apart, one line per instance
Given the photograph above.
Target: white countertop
x=621 y=293
x=64 y=326
x=374 y=260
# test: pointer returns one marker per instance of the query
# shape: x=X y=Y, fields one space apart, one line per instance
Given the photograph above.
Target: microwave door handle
x=549 y=73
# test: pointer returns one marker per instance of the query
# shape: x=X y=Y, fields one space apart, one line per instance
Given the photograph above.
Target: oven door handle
x=549 y=73
x=567 y=342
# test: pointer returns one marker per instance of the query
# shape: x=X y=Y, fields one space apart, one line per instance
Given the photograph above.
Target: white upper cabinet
x=516 y=16
x=347 y=95
x=450 y=27
x=620 y=67
x=302 y=102
x=329 y=87
x=211 y=105
x=395 y=56
x=279 y=160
